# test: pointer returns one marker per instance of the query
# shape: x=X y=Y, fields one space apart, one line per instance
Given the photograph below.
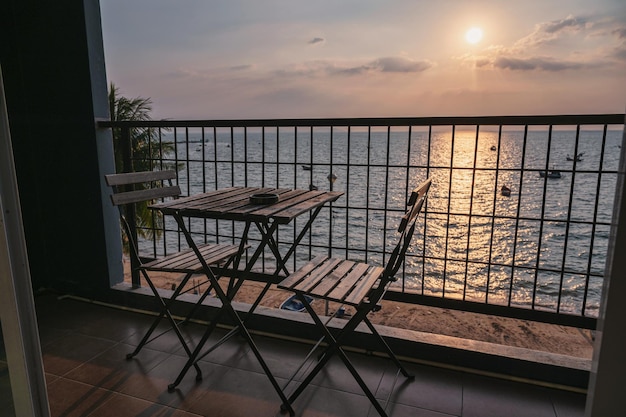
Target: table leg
x=228 y=308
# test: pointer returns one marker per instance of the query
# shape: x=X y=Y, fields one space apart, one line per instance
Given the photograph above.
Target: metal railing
x=516 y=224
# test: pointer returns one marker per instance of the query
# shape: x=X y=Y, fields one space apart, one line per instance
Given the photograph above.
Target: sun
x=474 y=35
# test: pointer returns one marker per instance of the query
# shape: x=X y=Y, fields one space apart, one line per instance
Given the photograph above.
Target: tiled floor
x=84 y=347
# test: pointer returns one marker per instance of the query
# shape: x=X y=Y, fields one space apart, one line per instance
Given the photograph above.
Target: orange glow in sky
x=366 y=58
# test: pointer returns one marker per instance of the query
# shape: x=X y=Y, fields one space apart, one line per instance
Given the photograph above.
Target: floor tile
x=486 y=397
x=71 y=351
x=163 y=338
x=69 y=398
x=239 y=393
x=318 y=401
x=232 y=352
x=401 y=410
x=120 y=405
x=282 y=357
x=568 y=404
x=84 y=348
x=433 y=389
x=115 y=325
x=111 y=369
x=336 y=375
x=154 y=386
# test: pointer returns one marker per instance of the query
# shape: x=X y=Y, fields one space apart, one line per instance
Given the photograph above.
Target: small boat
x=553 y=173
x=306 y=167
x=505 y=191
x=493 y=148
x=293 y=304
x=578 y=158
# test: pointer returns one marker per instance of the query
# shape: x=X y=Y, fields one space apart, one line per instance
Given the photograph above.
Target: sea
x=544 y=246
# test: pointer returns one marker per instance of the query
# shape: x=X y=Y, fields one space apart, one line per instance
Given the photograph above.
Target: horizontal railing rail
x=516 y=224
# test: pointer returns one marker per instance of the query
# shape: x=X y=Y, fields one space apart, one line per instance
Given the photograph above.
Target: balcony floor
x=84 y=347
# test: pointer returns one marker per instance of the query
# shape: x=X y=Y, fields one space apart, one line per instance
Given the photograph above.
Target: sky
x=251 y=59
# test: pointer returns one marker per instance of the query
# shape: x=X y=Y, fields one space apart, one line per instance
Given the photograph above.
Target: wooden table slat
x=234 y=204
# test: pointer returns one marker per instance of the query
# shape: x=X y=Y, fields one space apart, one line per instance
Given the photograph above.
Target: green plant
x=145 y=148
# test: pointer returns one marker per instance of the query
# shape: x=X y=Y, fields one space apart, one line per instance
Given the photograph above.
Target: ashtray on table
x=264 y=198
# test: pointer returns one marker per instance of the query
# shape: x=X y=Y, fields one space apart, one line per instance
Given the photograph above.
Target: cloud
x=550 y=31
x=387 y=64
x=575 y=43
x=400 y=64
x=620 y=33
x=620 y=52
x=537 y=63
x=243 y=67
x=380 y=65
x=316 y=41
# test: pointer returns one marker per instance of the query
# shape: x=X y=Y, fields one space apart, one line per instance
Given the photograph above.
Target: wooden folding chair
x=136 y=187
x=354 y=284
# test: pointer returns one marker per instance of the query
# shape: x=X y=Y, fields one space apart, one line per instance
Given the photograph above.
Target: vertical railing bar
x=493 y=214
x=151 y=165
x=595 y=220
x=187 y=169
x=406 y=193
x=295 y=157
x=518 y=212
x=471 y=210
x=176 y=165
x=203 y=150
x=295 y=183
x=232 y=156
x=425 y=208
x=161 y=167
x=263 y=156
x=126 y=149
x=542 y=218
x=188 y=172
x=386 y=207
x=347 y=194
x=245 y=166
x=367 y=192
x=232 y=177
x=245 y=155
x=204 y=189
x=160 y=141
x=215 y=176
x=277 y=185
x=310 y=182
x=277 y=157
x=445 y=260
x=567 y=224
x=330 y=208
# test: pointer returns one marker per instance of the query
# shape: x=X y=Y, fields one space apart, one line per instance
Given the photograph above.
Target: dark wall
x=49 y=74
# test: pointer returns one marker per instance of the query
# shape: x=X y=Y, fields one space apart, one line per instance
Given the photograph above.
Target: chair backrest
x=139 y=187
x=134 y=187
x=406 y=230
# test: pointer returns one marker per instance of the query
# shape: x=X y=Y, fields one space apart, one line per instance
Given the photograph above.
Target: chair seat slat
x=293 y=279
x=186 y=261
x=364 y=286
x=348 y=283
x=332 y=279
x=317 y=275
